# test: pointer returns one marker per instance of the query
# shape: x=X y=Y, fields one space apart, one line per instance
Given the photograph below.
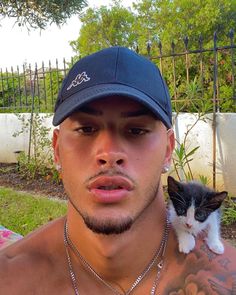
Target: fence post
x=173 y=67
x=231 y=36
x=215 y=109
x=32 y=113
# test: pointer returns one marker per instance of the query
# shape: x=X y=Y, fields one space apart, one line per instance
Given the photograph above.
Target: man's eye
x=137 y=131
x=86 y=130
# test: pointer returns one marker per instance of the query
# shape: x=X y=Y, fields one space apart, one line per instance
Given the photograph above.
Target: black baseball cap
x=114 y=71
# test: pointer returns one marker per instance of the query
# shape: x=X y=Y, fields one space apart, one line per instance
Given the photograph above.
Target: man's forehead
x=124 y=114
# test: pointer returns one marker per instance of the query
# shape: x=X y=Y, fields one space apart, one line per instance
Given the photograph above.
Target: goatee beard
x=107 y=227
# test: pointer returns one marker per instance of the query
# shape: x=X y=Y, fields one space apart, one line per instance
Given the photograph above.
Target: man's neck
x=113 y=256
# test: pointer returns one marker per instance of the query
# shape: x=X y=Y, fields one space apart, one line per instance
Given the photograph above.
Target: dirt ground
x=10 y=177
x=46 y=187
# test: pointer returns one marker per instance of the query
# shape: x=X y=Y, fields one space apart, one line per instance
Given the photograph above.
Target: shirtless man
x=113 y=143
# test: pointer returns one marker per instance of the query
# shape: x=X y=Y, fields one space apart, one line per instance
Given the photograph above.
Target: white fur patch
x=187 y=228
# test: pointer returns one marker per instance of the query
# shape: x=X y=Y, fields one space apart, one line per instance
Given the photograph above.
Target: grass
x=22 y=212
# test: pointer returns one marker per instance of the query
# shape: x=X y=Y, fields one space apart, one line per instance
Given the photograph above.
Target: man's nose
x=110 y=151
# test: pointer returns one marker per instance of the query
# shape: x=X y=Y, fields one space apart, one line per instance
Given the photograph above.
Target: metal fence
x=202 y=77
x=214 y=68
x=26 y=87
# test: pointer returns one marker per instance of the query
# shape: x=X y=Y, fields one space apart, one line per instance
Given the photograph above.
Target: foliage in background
x=9 y=89
x=17 y=89
x=155 y=20
x=104 y=27
x=38 y=14
x=181 y=160
x=22 y=212
x=173 y=20
x=229 y=211
x=39 y=159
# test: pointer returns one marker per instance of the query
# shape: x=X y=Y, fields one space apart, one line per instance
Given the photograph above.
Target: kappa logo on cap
x=80 y=78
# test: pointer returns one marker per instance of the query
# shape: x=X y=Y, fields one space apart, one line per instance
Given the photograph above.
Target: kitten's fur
x=194 y=208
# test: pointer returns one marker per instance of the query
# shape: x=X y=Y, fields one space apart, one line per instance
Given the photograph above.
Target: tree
x=40 y=13
x=104 y=27
x=154 y=20
x=173 y=20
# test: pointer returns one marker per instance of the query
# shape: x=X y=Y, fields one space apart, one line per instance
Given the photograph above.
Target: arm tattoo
x=224 y=262
x=203 y=272
x=221 y=290
x=211 y=256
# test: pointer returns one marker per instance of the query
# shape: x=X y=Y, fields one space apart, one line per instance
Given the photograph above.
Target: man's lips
x=110 y=189
x=111 y=183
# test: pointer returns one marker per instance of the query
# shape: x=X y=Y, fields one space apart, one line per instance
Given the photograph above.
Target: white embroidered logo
x=80 y=78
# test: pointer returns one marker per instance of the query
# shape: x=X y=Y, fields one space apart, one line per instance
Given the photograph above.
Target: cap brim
x=77 y=100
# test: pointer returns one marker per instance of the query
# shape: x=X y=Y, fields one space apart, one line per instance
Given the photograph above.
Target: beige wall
x=201 y=135
x=10 y=124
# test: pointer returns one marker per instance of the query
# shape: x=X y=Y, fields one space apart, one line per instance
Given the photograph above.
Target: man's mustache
x=110 y=172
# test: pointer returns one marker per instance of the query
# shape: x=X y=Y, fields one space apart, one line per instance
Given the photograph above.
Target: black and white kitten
x=194 y=208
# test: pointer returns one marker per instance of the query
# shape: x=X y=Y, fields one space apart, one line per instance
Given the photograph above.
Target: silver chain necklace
x=160 y=252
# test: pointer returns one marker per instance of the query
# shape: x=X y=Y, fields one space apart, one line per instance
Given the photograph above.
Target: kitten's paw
x=186 y=244
x=216 y=246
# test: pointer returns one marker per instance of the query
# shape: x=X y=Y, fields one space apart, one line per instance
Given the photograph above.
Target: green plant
x=39 y=159
x=181 y=161
x=204 y=179
x=229 y=211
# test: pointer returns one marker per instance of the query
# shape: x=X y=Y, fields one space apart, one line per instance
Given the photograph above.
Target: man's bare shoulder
x=30 y=259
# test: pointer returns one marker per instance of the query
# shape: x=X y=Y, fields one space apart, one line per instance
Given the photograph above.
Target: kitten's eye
x=200 y=215
x=180 y=211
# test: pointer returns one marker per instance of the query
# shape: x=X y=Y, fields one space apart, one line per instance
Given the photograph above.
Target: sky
x=19 y=46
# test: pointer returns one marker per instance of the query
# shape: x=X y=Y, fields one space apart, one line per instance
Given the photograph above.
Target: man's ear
x=55 y=146
x=169 y=147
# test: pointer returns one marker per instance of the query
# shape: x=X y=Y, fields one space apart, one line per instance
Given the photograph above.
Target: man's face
x=112 y=153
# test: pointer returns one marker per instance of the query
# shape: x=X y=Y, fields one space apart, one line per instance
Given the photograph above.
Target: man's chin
x=108 y=227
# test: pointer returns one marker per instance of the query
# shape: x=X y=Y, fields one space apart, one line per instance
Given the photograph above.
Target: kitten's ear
x=173 y=185
x=221 y=196
x=217 y=200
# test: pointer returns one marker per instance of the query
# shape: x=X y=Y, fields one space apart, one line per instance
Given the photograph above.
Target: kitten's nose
x=188 y=225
